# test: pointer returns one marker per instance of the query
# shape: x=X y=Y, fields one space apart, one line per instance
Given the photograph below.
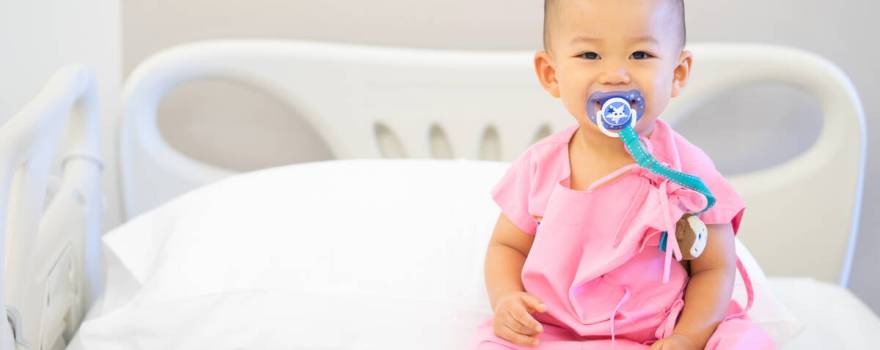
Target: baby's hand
x=675 y=342
x=512 y=319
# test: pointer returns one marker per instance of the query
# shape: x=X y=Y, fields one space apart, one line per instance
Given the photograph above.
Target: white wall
x=839 y=30
x=37 y=37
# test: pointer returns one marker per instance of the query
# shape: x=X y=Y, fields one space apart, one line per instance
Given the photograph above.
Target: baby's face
x=616 y=45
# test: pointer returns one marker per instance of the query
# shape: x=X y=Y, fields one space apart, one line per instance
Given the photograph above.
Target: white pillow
x=357 y=254
x=767 y=312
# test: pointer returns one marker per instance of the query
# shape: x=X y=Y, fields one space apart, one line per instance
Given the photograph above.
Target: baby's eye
x=589 y=56
x=641 y=55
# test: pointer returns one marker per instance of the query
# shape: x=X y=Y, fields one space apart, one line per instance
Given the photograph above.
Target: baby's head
x=614 y=45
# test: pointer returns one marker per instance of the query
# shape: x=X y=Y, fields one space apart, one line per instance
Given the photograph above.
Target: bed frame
x=383 y=102
x=50 y=213
x=386 y=102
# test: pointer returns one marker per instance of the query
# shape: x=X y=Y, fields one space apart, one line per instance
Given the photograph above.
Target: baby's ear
x=546 y=72
x=682 y=72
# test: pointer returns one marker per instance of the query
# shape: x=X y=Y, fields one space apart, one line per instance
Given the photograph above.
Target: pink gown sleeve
x=728 y=208
x=512 y=193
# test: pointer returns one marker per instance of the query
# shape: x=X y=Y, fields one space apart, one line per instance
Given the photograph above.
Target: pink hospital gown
x=595 y=261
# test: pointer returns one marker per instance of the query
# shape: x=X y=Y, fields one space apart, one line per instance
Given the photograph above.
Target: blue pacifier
x=615 y=110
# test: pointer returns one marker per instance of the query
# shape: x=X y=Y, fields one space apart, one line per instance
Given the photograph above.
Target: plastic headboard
x=51 y=225
x=389 y=102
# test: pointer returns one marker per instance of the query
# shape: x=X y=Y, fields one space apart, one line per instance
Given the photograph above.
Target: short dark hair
x=550 y=13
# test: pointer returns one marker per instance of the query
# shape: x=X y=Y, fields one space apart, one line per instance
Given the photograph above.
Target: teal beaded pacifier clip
x=616 y=112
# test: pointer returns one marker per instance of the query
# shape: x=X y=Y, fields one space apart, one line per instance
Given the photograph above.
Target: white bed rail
x=51 y=225
x=803 y=214
x=351 y=94
x=472 y=102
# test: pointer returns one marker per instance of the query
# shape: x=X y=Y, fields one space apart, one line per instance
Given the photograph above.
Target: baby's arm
x=708 y=293
x=505 y=258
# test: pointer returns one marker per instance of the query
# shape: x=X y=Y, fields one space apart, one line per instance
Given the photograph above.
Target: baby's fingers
x=517 y=326
x=657 y=346
x=533 y=303
x=517 y=338
x=526 y=321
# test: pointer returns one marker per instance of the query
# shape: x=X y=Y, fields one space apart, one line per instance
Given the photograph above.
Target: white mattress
x=183 y=250
x=833 y=317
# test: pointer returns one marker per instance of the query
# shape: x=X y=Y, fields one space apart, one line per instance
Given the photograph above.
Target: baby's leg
x=551 y=339
x=739 y=333
x=544 y=343
x=548 y=345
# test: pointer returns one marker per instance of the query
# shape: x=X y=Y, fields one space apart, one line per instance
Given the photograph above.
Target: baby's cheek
x=656 y=105
x=576 y=104
x=645 y=125
x=661 y=93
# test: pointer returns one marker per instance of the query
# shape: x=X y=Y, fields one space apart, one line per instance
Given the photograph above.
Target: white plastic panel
x=807 y=206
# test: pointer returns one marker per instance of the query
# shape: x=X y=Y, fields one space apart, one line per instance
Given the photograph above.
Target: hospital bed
x=50 y=213
x=370 y=251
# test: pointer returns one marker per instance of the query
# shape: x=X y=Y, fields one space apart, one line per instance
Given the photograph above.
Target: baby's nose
x=615 y=76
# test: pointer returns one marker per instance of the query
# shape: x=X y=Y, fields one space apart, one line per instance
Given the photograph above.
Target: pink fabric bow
x=673 y=201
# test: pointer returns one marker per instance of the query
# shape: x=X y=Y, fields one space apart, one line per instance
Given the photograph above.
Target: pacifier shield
x=617 y=110
x=616 y=113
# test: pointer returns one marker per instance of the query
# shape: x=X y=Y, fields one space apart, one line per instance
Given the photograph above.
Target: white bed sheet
x=179 y=286
x=833 y=317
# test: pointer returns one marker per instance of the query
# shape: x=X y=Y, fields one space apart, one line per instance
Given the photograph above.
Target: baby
x=580 y=257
